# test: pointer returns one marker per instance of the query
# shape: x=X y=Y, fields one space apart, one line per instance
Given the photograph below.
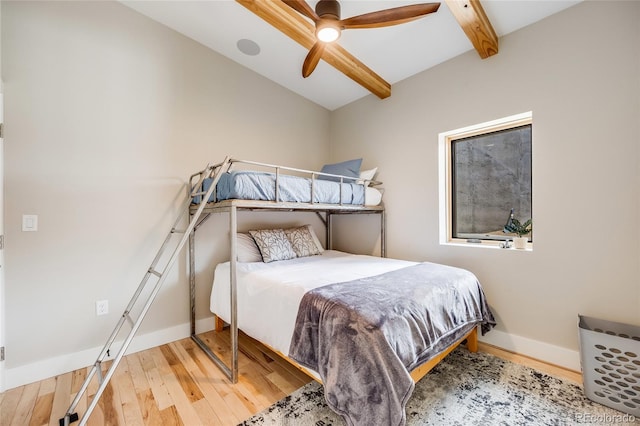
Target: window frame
x=445 y=204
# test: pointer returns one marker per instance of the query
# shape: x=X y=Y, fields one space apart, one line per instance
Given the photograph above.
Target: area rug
x=466 y=389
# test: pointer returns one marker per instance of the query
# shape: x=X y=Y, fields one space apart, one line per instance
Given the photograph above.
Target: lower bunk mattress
x=361 y=323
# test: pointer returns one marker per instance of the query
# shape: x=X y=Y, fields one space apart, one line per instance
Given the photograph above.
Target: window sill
x=486 y=245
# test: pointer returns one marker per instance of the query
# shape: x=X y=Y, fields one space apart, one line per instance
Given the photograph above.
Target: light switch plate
x=29 y=222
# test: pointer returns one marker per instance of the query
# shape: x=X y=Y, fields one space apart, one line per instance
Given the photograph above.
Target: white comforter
x=269 y=293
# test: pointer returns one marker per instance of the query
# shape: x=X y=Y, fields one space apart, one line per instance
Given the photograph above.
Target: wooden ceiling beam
x=474 y=22
x=290 y=22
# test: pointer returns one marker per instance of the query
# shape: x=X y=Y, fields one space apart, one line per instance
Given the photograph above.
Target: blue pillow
x=349 y=168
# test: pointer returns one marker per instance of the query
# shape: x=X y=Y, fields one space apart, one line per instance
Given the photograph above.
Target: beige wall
x=107 y=114
x=579 y=72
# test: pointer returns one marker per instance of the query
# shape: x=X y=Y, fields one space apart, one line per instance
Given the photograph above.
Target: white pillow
x=273 y=245
x=246 y=249
x=372 y=196
x=367 y=174
x=315 y=238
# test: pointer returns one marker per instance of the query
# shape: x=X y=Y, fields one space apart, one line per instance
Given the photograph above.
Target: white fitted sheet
x=269 y=293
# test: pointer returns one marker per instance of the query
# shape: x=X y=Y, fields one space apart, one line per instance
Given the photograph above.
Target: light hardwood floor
x=176 y=384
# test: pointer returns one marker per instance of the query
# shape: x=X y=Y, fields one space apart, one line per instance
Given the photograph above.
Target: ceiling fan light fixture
x=328 y=31
x=328 y=28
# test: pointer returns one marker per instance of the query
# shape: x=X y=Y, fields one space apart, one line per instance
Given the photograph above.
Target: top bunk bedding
x=250 y=185
x=319 y=188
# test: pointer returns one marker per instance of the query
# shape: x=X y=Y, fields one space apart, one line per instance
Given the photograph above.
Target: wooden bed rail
x=470 y=339
x=472 y=345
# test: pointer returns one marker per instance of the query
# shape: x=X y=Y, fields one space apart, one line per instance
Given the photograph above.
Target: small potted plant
x=520 y=229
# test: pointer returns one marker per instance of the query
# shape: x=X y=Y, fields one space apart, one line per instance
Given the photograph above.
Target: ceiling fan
x=300 y=22
x=329 y=25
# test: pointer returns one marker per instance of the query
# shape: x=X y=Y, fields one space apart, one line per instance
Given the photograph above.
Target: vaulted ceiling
x=366 y=60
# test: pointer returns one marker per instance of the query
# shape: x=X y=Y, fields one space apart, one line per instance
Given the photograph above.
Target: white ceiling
x=394 y=53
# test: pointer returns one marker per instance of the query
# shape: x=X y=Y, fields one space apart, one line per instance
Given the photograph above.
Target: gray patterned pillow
x=302 y=240
x=273 y=245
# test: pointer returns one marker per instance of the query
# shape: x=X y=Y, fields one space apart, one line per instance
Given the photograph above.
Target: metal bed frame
x=324 y=211
x=199 y=210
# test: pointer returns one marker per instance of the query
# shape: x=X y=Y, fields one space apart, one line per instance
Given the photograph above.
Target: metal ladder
x=158 y=270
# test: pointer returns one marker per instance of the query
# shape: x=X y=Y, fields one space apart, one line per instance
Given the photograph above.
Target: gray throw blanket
x=363 y=337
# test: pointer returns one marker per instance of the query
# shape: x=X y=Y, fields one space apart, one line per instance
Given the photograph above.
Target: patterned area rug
x=466 y=389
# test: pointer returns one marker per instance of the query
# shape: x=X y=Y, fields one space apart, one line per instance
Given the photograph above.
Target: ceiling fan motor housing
x=328 y=9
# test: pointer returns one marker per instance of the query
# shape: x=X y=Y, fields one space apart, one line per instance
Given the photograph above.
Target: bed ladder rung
x=159 y=267
x=154 y=272
x=98 y=367
x=128 y=317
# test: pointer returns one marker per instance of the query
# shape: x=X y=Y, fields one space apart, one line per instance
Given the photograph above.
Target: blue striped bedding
x=251 y=185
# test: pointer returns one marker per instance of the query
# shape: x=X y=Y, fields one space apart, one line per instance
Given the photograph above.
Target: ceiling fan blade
x=388 y=17
x=312 y=59
x=298 y=27
x=303 y=7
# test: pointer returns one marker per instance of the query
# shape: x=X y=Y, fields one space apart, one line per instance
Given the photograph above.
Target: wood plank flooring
x=177 y=384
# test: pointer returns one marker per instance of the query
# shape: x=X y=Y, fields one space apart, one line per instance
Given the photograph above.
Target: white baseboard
x=541 y=351
x=50 y=367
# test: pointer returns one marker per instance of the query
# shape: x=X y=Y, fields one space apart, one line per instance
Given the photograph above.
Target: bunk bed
x=295 y=334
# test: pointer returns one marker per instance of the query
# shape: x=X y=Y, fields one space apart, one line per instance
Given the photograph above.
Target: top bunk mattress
x=252 y=185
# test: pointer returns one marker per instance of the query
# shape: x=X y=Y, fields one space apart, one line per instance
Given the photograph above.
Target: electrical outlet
x=102 y=307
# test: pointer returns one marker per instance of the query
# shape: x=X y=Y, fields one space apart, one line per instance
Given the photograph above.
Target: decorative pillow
x=349 y=168
x=303 y=242
x=367 y=174
x=273 y=245
x=246 y=249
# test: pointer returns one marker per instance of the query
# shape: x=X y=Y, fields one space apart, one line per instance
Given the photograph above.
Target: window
x=485 y=176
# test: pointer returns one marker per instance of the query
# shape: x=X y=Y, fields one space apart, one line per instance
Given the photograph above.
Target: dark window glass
x=491 y=174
